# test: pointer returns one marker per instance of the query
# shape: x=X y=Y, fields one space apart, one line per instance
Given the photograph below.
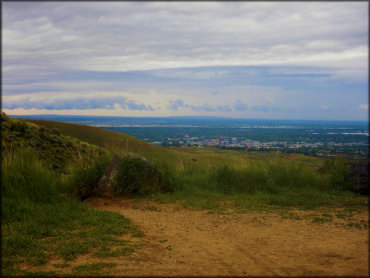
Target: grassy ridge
x=115 y=142
x=49 y=144
x=122 y=143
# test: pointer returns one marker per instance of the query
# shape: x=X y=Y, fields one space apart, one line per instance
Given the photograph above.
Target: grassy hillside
x=40 y=222
x=113 y=141
x=50 y=145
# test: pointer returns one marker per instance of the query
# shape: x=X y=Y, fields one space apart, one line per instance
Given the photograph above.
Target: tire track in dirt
x=186 y=242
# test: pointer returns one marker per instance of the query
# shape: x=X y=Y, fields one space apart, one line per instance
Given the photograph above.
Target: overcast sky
x=283 y=60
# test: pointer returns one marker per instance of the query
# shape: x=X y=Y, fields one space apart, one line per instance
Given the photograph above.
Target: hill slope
x=120 y=143
x=52 y=147
x=115 y=142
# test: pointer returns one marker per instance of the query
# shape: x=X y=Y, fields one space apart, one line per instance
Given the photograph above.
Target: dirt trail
x=185 y=242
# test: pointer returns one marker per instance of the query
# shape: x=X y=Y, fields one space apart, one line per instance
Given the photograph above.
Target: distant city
x=318 y=148
x=248 y=143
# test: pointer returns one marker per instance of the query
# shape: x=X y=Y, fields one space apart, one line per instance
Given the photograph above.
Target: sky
x=266 y=60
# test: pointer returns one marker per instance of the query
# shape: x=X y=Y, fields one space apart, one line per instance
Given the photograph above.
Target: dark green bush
x=137 y=176
x=85 y=176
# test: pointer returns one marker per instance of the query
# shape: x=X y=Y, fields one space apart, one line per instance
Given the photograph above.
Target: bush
x=137 y=176
x=85 y=175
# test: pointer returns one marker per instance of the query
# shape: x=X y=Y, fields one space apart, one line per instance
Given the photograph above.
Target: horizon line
x=188 y=116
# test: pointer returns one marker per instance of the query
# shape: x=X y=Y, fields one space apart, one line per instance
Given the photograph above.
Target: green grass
x=55 y=149
x=325 y=217
x=277 y=182
x=114 y=142
x=152 y=208
x=39 y=224
x=92 y=268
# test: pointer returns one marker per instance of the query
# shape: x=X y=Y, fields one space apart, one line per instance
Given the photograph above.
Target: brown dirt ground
x=187 y=242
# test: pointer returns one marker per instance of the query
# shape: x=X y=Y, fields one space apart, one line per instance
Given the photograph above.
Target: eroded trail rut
x=185 y=242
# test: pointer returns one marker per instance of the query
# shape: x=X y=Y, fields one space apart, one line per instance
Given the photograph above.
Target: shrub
x=137 y=176
x=85 y=175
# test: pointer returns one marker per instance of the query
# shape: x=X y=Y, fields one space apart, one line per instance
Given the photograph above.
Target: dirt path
x=185 y=242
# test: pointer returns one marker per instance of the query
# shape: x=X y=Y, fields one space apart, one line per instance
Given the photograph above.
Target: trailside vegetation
x=40 y=220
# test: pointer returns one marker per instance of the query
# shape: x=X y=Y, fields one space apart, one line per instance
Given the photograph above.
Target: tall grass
x=275 y=181
x=39 y=224
x=257 y=176
x=25 y=180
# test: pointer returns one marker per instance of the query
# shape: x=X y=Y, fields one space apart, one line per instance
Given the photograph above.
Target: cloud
x=72 y=103
x=240 y=106
x=265 y=108
x=224 y=108
x=136 y=36
x=204 y=107
x=243 y=59
x=325 y=106
x=363 y=106
x=174 y=105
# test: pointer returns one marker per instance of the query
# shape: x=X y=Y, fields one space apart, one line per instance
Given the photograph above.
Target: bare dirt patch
x=187 y=242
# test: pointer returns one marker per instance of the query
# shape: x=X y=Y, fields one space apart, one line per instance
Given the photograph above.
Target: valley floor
x=185 y=242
